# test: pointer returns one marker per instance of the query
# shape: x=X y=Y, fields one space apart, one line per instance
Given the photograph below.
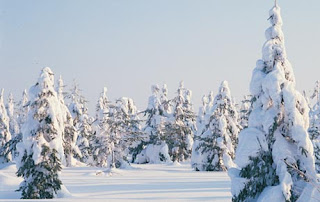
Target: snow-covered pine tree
x=41 y=149
x=179 y=130
x=5 y=135
x=275 y=155
x=218 y=141
x=123 y=132
x=314 y=127
x=70 y=134
x=99 y=141
x=245 y=110
x=154 y=148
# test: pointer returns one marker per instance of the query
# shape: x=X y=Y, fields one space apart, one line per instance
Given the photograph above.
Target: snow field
x=161 y=182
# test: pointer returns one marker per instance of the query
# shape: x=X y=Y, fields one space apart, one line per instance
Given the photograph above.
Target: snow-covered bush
x=154 y=154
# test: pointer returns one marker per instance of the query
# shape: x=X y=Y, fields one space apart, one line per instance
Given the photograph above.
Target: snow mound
x=154 y=154
x=175 y=163
x=7 y=180
x=273 y=193
x=108 y=173
x=63 y=192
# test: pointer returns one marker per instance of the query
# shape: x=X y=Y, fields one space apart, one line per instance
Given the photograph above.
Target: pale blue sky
x=129 y=45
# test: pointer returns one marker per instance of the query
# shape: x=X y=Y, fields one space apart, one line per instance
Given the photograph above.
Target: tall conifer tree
x=275 y=154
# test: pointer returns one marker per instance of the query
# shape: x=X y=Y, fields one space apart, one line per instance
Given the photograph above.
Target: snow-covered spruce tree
x=208 y=110
x=210 y=102
x=18 y=118
x=21 y=116
x=12 y=114
x=245 y=110
x=5 y=135
x=304 y=94
x=203 y=119
x=22 y=109
x=179 y=131
x=275 y=155
x=316 y=91
x=154 y=148
x=189 y=119
x=77 y=104
x=69 y=132
x=13 y=127
x=82 y=122
x=314 y=110
x=41 y=148
x=218 y=141
x=123 y=132
x=202 y=114
x=201 y=126
x=86 y=139
x=314 y=128
x=99 y=141
x=165 y=106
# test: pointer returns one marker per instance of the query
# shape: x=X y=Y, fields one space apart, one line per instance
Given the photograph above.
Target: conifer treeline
x=266 y=144
x=163 y=132
x=51 y=127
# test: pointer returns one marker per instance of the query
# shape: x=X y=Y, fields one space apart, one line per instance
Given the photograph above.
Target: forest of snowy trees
x=269 y=142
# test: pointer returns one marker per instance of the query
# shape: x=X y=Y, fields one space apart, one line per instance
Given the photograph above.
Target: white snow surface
x=147 y=182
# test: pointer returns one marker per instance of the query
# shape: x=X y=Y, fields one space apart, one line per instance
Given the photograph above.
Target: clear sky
x=129 y=45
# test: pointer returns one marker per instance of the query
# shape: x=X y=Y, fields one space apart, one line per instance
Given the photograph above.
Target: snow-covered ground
x=143 y=182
